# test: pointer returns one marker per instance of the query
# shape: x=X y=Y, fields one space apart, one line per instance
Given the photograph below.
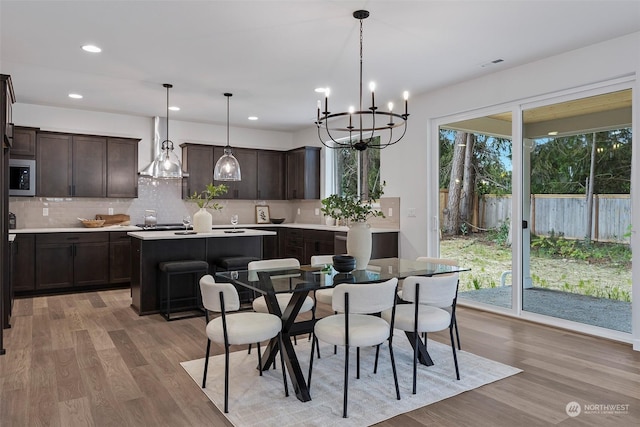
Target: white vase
x=359 y=243
x=202 y=221
x=329 y=221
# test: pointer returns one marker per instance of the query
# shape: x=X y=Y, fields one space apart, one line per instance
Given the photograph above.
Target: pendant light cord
x=228 y=95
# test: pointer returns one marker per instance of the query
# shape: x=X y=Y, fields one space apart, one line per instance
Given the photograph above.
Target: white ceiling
x=272 y=54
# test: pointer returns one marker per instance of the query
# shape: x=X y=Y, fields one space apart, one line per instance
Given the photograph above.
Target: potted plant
x=202 y=220
x=355 y=211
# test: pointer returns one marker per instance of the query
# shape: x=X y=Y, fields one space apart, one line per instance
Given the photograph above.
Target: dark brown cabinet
x=122 y=167
x=292 y=246
x=24 y=257
x=247 y=188
x=317 y=242
x=24 y=143
x=71 y=165
x=303 y=173
x=271 y=176
x=198 y=162
x=271 y=244
x=65 y=260
x=119 y=257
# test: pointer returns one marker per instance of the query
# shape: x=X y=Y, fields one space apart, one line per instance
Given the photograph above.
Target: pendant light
x=166 y=165
x=227 y=168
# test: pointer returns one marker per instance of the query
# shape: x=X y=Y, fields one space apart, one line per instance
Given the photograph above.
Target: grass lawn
x=584 y=275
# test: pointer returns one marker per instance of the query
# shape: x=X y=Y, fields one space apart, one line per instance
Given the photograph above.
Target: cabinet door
x=119 y=257
x=54 y=265
x=317 y=242
x=24 y=143
x=198 y=162
x=270 y=244
x=271 y=175
x=303 y=173
x=53 y=164
x=89 y=164
x=247 y=188
x=91 y=263
x=24 y=256
x=122 y=167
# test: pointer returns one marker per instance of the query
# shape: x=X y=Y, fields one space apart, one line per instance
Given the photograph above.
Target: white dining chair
x=235 y=329
x=445 y=261
x=322 y=296
x=423 y=315
x=358 y=325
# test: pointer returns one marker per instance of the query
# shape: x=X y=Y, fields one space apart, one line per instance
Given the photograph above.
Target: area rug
x=260 y=401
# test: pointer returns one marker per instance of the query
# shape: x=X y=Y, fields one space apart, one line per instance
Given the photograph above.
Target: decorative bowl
x=93 y=223
x=344 y=263
x=277 y=220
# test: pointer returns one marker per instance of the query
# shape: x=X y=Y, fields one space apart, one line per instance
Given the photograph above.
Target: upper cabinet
x=197 y=161
x=271 y=182
x=266 y=174
x=70 y=165
x=122 y=167
x=303 y=173
x=24 y=143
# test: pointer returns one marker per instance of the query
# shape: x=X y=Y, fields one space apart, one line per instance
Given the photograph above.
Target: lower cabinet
x=119 y=257
x=317 y=242
x=24 y=263
x=66 y=261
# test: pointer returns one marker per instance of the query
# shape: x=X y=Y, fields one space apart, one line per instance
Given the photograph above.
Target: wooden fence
x=558 y=213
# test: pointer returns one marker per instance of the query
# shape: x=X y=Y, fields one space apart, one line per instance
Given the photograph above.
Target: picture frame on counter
x=262 y=214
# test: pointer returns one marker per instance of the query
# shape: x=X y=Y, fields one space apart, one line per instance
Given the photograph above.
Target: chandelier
x=363 y=125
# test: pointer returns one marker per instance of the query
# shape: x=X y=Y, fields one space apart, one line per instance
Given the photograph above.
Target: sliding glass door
x=577 y=210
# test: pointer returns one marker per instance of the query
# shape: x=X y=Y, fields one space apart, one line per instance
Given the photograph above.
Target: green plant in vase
x=205 y=198
x=202 y=220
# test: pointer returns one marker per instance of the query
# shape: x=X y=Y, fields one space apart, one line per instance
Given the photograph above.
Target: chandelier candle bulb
x=406 y=103
x=372 y=88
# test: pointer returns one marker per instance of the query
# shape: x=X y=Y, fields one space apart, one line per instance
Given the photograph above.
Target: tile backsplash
x=165 y=196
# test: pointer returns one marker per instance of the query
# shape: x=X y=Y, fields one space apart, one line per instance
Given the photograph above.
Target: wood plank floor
x=88 y=359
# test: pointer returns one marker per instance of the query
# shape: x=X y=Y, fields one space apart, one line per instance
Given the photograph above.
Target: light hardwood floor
x=88 y=359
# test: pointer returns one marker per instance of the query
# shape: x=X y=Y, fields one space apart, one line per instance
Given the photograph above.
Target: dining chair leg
x=358 y=362
x=393 y=367
x=313 y=343
x=260 y=359
x=346 y=381
x=284 y=371
x=455 y=358
x=317 y=346
x=226 y=379
x=455 y=324
x=249 y=351
x=206 y=364
x=415 y=359
x=375 y=364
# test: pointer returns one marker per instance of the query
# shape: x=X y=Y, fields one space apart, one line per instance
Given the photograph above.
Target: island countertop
x=177 y=235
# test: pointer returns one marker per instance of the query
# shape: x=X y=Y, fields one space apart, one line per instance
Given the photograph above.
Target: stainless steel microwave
x=22 y=177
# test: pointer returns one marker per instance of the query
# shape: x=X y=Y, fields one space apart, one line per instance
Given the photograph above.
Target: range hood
x=165 y=163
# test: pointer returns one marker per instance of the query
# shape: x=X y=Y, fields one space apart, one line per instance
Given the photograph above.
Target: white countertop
x=132 y=228
x=75 y=229
x=173 y=235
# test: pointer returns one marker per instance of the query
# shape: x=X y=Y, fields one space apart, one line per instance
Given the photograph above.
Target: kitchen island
x=149 y=248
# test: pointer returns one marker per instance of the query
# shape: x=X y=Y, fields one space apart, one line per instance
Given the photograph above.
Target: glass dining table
x=306 y=279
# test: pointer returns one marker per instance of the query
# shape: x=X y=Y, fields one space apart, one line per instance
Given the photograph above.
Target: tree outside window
x=357 y=172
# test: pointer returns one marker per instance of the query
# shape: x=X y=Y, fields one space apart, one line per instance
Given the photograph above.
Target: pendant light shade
x=227 y=167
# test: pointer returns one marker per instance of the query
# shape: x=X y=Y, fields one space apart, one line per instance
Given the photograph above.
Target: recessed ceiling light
x=91 y=48
x=252 y=118
x=174 y=108
x=75 y=96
